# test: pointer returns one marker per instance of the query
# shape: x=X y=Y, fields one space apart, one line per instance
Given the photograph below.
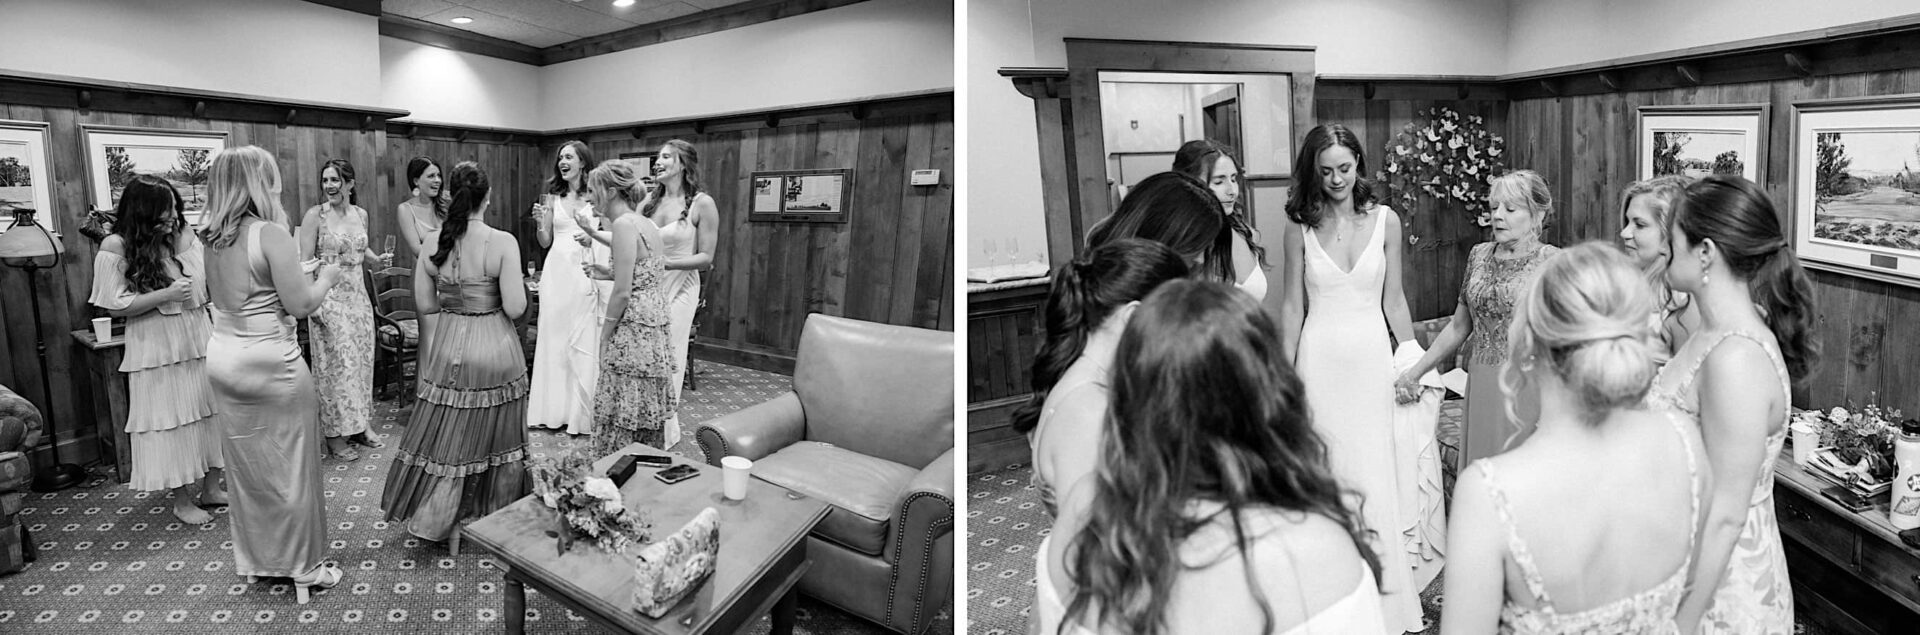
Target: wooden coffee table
x=763 y=553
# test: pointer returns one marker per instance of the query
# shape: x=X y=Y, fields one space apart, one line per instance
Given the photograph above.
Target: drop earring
x=1705 y=277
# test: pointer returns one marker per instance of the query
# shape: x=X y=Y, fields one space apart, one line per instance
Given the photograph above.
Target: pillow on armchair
x=20 y=428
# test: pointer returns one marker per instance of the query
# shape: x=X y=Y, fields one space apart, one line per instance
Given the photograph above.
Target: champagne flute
x=993 y=255
x=1013 y=255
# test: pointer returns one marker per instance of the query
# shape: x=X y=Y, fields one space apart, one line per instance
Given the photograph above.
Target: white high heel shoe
x=324 y=576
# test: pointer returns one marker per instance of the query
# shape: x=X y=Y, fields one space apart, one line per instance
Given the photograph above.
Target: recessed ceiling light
x=623 y=3
x=462 y=20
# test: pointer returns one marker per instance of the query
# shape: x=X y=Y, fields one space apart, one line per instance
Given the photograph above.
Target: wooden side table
x=1850 y=572
x=110 y=392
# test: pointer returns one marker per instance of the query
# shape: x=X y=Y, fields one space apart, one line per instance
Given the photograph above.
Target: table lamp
x=25 y=246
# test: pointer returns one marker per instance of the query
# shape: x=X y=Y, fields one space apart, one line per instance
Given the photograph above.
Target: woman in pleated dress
x=464 y=452
x=634 y=401
x=150 y=271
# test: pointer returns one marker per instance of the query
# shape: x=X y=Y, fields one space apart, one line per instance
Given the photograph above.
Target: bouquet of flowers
x=1450 y=157
x=1858 y=446
x=589 y=505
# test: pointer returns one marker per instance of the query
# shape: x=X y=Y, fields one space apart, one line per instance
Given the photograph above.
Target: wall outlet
x=925 y=177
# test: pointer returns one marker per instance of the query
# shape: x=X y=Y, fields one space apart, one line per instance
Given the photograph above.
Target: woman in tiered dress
x=634 y=401
x=1736 y=375
x=464 y=452
x=566 y=357
x=262 y=389
x=341 y=332
x=148 y=271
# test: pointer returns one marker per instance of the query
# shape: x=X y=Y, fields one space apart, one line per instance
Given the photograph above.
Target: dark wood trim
x=694 y=25
x=47 y=90
x=363 y=7
x=1410 y=88
x=430 y=34
x=416 y=129
x=1071 y=41
x=1888 y=26
x=879 y=106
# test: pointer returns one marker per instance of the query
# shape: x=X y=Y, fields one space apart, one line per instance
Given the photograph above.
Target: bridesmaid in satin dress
x=1213 y=164
x=262 y=387
x=422 y=212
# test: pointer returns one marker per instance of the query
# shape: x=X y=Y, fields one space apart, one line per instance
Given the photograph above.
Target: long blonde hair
x=243 y=181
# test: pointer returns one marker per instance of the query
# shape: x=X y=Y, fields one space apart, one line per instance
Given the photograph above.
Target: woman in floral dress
x=634 y=399
x=1736 y=375
x=342 y=330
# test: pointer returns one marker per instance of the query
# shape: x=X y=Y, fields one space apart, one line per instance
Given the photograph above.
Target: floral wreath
x=1451 y=157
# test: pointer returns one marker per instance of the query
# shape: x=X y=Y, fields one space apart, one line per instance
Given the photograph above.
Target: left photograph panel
x=474 y=316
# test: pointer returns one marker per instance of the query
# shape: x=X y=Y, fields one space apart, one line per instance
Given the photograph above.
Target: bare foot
x=213 y=497
x=189 y=513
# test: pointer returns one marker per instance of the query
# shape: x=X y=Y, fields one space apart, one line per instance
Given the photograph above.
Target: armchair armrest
x=922 y=547
x=755 y=431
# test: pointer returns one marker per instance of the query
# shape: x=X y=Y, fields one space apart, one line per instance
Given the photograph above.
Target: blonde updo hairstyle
x=1527 y=190
x=1589 y=316
x=616 y=177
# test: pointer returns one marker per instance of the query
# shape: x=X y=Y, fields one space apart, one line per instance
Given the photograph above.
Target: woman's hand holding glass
x=181 y=290
x=597 y=271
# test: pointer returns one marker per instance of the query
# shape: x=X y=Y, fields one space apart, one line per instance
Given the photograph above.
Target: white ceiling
x=544 y=23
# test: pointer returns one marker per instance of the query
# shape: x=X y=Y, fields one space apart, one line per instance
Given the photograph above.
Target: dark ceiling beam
x=365 y=7
x=702 y=23
x=447 y=37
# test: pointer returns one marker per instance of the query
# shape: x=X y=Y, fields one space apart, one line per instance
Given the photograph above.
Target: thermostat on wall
x=926 y=177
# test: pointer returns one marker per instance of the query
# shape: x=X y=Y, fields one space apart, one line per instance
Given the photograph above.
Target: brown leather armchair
x=868 y=429
x=20 y=427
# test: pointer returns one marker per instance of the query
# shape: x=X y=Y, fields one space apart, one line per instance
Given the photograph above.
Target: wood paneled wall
x=514 y=173
x=378 y=159
x=1584 y=146
x=891 y=263
x=1432 y=270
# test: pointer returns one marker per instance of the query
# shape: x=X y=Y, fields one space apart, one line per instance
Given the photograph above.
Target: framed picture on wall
x=1701 y=140
x=808 y=196
x=642 y=163
x=1856 y=186
x=115 y=155
x=26 y=182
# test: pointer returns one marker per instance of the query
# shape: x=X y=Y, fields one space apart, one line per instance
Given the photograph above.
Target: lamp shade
x=28 y=239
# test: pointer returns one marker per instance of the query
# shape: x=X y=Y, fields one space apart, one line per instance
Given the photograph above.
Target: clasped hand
x=1406 y=388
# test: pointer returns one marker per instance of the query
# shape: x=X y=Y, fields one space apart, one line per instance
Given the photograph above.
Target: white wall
x=1553 y=33
x=276 y=48
x=1427 y=37
x=860 y=50
x=447 y=86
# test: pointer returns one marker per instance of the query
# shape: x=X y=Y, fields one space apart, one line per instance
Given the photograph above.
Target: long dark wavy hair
x=1084 y=293
x=145 y=202
x=1307 y=201
x=417 y=167
x=1739 y=217
x=1196 y=158
x=1204 y=408
x=469 y=186
x=556 y=184
x=1178 y=211
x=689 y=178
x=345 y=170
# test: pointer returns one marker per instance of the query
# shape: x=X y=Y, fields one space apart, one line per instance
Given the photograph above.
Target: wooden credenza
x=1004 y=327
x=1851 y=573
x=110 y=397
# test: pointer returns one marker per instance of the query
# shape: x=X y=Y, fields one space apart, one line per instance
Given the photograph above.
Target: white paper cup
x=103 y=329
x=733 y=477
x=1806 y=439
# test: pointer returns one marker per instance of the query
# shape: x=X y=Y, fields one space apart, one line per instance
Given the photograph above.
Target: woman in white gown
x=1214 y=166
x=566 y=357
x=1342 y=257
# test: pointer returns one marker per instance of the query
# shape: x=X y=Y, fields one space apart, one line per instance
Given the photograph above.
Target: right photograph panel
x=1386 y=317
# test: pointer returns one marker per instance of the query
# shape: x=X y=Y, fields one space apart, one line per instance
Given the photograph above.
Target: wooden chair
x=396 y=329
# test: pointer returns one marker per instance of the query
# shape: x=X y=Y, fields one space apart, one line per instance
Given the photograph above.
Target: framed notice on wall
x=805 y=196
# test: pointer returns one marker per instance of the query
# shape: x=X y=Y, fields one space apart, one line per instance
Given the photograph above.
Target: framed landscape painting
x=1700 y=140
x=115 y=155
x=1856 y=186
x=25 y=181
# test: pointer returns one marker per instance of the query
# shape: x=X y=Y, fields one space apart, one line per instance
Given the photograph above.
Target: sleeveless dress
x=1755 y=596
x=1490 y=287
x=1356 y=612
x=683 y=300
x=1651 y=611
x=1346 y=363
x=270 y=415
x=566 y=356
x=634 y=401
x=342 y=332
x=464 y=452
x=414 y=212
x=1255 y=284
x=170 y=419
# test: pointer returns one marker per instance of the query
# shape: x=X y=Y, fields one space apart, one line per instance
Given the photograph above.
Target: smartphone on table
x=676 y=474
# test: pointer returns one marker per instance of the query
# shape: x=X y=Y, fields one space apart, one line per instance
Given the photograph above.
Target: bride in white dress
x=566 y=357
x=1342 y=286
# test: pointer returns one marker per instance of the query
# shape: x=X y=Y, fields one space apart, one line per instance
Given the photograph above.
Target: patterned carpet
x=116 y=561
